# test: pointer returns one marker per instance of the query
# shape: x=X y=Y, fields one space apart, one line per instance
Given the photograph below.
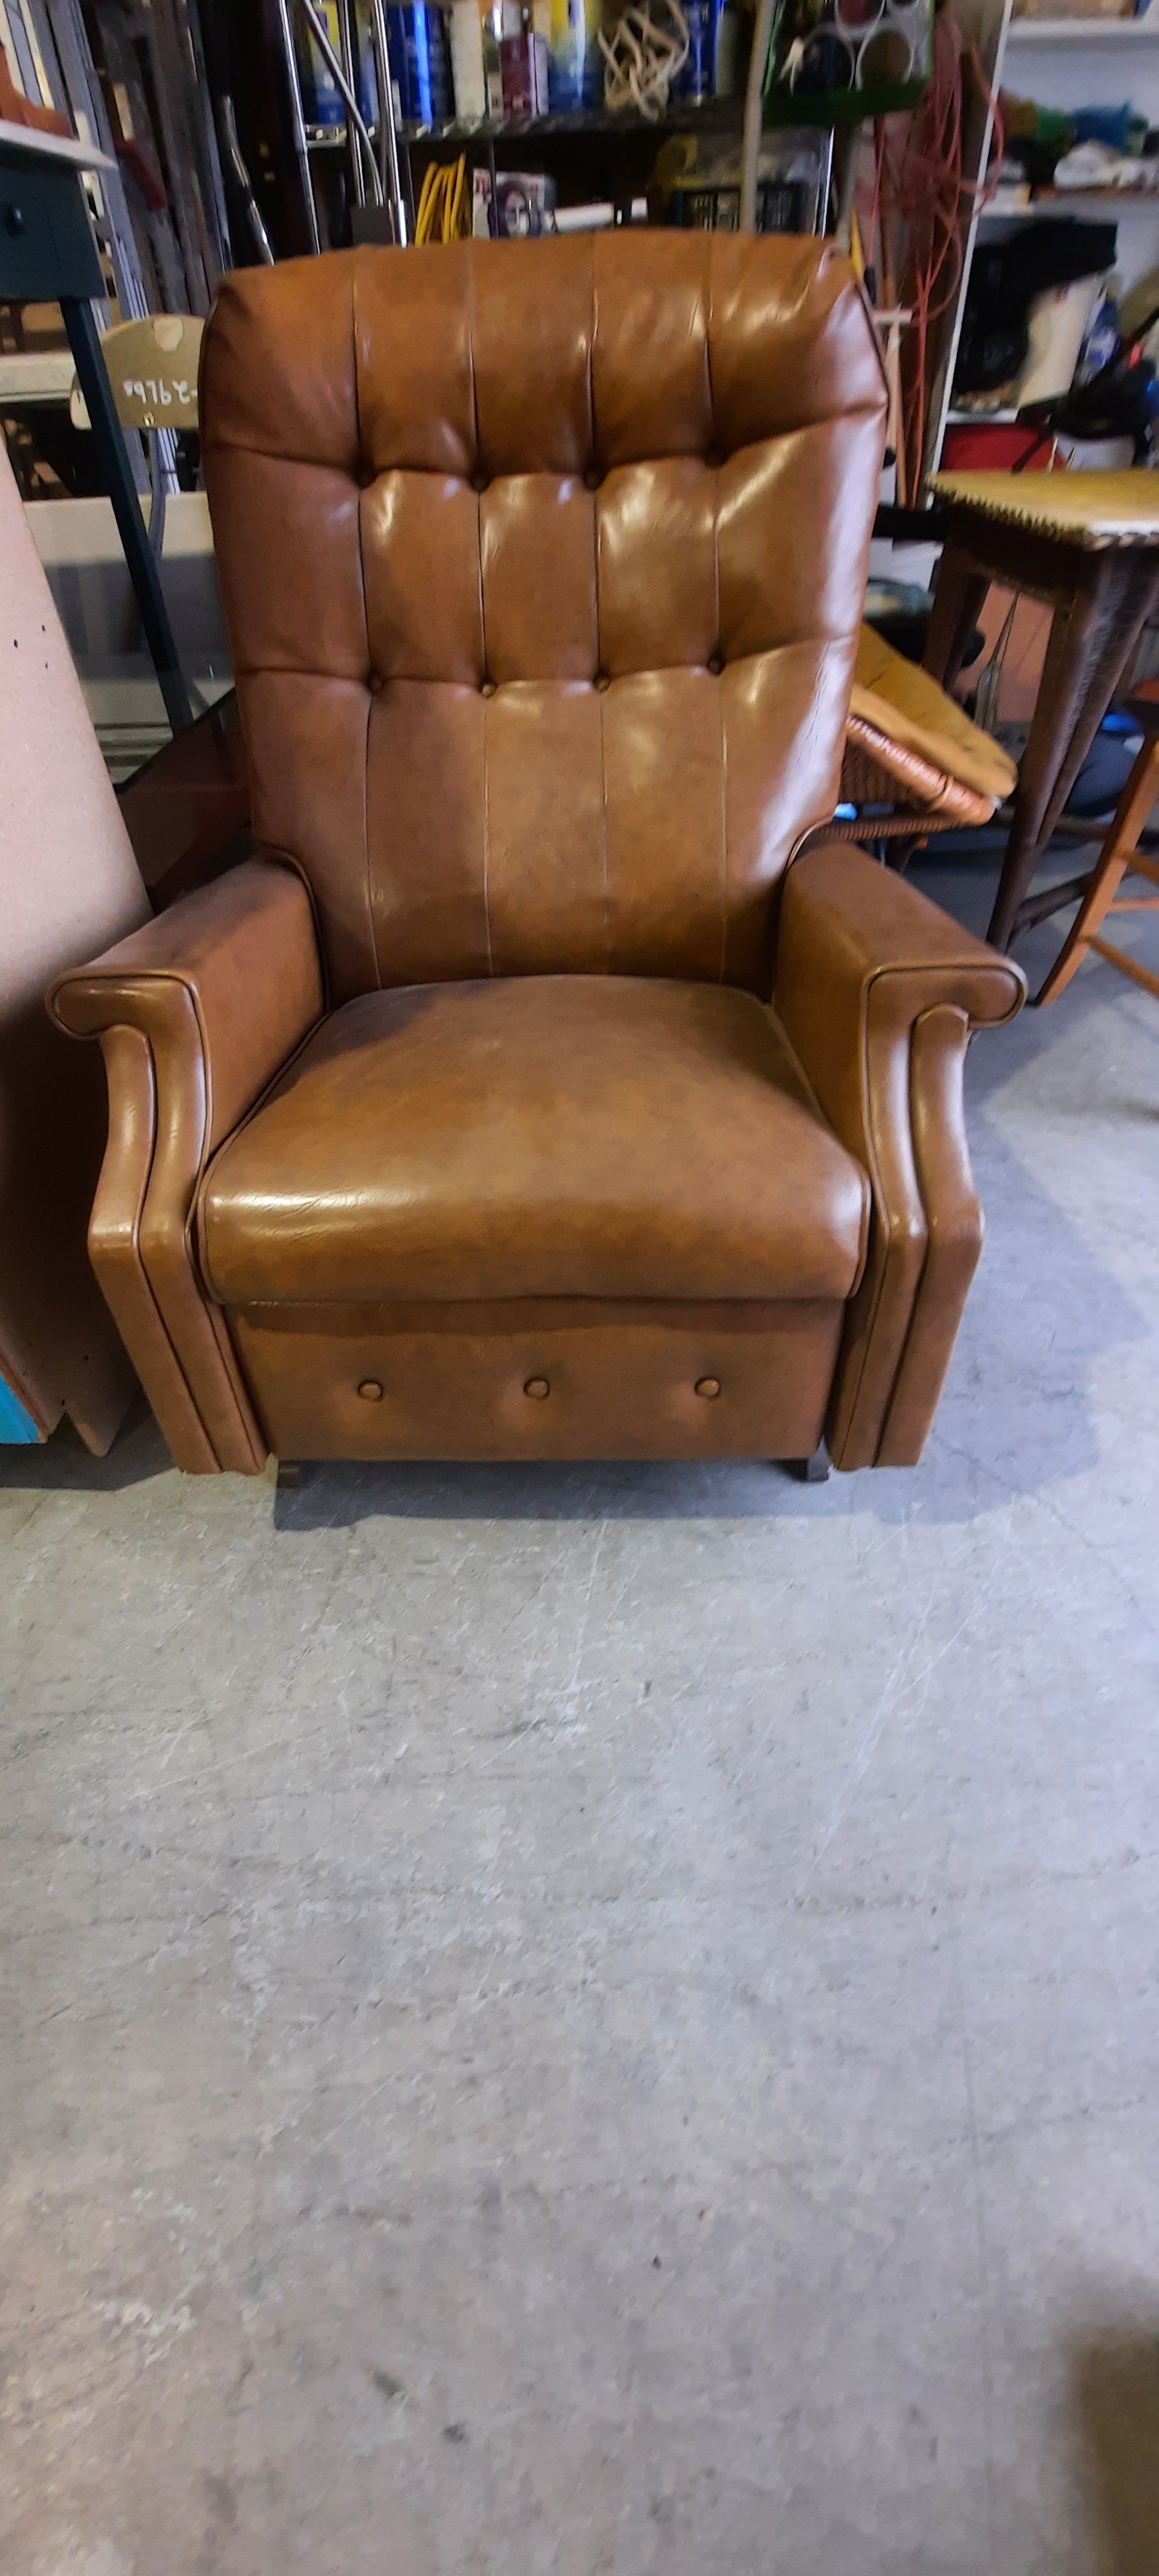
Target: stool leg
x=1076 y=635
x=1133 y=810
x=958 y=599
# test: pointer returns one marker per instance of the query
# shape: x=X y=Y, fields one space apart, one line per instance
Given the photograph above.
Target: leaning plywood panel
x=69 y=887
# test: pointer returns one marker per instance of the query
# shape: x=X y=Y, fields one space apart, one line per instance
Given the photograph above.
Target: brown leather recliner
x=461 y=1124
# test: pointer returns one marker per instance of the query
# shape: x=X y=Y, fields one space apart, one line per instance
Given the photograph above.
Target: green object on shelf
x=843 y=106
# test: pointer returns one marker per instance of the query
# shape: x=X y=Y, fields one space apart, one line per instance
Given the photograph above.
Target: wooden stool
x=1087 y=544
x=1119 y=855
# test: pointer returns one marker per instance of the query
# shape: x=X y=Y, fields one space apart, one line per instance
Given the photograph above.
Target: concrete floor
x=608 y=2019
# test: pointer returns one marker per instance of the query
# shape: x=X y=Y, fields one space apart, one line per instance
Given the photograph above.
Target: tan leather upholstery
x=542 y=1136
x=543 y=568
x=462 y=1124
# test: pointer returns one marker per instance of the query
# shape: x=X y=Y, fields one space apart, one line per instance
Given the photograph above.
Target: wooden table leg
x=1077 y=638
x=958 y=601
x=1128 y=607
x=1092 y=640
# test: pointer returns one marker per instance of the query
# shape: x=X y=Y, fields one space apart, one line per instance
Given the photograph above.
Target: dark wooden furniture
x=1087 y=544
x=48 y=256
x=1120 y=856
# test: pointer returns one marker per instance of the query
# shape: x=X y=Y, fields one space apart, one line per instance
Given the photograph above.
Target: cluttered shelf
x=1129 y=200
x=1083 y=31
x=783 y=111
x=683 y=116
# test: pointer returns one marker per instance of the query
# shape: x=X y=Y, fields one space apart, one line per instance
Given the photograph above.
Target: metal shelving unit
x=1084 y=31
x=324 y=144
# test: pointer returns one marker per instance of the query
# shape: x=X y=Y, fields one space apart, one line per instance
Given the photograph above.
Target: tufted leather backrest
x=543 y=564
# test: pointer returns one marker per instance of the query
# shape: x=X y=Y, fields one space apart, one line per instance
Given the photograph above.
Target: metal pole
x=92 y=377
x=848 y=187
x=241 y=174
x=346 y=38
x=356 y=126
x=387 y=131
x=826 y=183
x=754 y=115
x=298 y=120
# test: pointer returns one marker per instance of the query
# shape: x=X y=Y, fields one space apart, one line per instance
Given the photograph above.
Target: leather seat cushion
x=540 y=1136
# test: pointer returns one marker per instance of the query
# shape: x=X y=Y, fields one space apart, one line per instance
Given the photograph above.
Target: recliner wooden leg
x=811 y=1471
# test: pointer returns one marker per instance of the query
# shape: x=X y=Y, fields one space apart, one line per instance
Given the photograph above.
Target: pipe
x=237 y=164
x=387 y=133
x=317 y=29
x=768 y=12
x=347 y=36
x=298 y=121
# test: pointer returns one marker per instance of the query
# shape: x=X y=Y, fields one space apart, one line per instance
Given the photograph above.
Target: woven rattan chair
x=914 y=764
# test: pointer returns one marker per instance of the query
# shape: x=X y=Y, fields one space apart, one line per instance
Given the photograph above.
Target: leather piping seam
x=139 y=1258
x=370 y=924
x=878 y=1203
x=187 y=1233
x=598 y=638
x=241 y=1398
x=710 y=393
x=879 y=974
x=471 y=320
x=723 y=732
x=913 y=1322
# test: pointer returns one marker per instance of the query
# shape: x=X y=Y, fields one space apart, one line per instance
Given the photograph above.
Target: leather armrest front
x=859 y=948
x=223 y=985
x=878 y=992
x=196 y=1013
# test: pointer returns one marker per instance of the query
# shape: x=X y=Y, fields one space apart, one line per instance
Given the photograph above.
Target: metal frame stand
x=48 y=256
x=92 y=377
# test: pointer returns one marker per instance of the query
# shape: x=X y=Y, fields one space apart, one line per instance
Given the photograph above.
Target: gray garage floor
x=608 y=2020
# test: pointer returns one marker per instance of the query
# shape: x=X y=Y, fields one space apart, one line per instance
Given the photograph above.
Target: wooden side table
x=1088 y=545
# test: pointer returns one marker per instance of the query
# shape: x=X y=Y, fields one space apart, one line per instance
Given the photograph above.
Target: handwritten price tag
x=152 y=368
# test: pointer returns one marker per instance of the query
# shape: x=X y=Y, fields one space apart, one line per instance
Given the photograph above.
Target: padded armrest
x=857 y=944
x=878 y=992
x=196 y=1014
x=223 y=985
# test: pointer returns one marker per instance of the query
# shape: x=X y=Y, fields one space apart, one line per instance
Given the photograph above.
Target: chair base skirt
x=557 y=1379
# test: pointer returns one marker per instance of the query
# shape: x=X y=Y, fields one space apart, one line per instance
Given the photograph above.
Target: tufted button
x=538 y=1387
x=376 y=684
x=479 y=482
x=708 y=1386
x=716 y=664
x=370 y=1390
x=713 y=458
x=593 y=478
x=601 y=681
x=486 y=688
